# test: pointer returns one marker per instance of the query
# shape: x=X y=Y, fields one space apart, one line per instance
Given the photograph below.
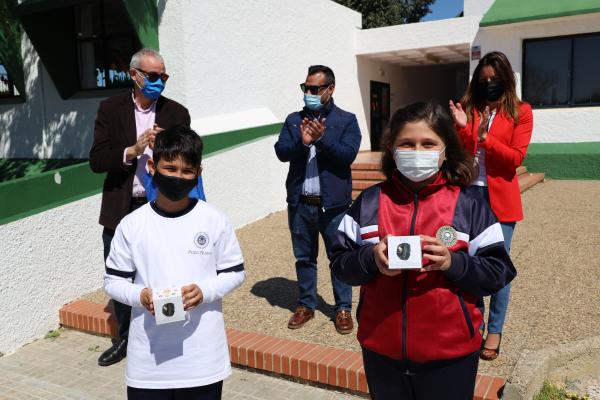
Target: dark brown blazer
x=115 y=130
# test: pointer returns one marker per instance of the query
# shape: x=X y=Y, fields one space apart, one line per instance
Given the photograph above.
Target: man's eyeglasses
x=153 y=76
x=312 y=89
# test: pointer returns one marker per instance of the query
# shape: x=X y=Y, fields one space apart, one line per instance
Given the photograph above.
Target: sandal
x=488 y=354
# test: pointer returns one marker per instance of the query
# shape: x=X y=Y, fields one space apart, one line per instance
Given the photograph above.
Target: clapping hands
x=312 y=130
x=458 y=114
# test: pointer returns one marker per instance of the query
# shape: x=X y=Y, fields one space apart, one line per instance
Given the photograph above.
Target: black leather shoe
x=116 y=353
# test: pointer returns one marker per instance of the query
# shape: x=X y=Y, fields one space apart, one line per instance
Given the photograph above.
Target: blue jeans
x=306 y=222
x=498 y=301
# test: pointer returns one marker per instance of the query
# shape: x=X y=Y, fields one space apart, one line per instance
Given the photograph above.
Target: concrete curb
x=300 y=361
x=533 y=367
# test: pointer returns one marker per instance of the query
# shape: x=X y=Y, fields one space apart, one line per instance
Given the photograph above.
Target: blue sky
x=443 y=9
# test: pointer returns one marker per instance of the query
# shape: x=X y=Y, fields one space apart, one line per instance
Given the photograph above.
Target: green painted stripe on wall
x=513 y=11
x=27 y=196
x=565 y=160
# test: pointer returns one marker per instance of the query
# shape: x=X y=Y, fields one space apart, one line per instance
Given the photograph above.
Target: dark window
x=7 y=89
x=105 y=43
x=562 y=71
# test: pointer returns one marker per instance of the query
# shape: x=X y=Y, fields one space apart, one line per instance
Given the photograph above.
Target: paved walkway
x=65 y=368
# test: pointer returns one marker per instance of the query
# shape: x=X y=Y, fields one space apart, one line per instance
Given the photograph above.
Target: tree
x=378 y=13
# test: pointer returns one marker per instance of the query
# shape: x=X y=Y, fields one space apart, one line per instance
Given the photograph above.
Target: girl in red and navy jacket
x=418 y=328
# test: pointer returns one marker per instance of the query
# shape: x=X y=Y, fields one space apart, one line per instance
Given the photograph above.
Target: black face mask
x=490 y=91
x=173 y=188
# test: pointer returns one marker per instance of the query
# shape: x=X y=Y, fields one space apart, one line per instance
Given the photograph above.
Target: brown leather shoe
x=343 y=322
x=301 y=316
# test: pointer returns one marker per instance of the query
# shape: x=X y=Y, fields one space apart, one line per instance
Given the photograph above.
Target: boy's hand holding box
x=168 y=305
x=404 y=252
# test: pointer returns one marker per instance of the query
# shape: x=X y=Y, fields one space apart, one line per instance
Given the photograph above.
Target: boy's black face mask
x=172 y=187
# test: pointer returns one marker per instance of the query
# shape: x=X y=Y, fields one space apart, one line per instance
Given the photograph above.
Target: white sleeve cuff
x=134 y=293
x=125 y=157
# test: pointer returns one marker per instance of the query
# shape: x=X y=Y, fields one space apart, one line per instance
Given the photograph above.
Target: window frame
x=11 y=86
x=104 y=39
x=570 y=103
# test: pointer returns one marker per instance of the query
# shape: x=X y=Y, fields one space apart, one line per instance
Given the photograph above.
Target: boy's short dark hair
x=176 y=142
x=329 y=76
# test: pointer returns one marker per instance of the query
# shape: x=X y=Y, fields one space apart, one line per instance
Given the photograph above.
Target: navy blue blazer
x=336 y=150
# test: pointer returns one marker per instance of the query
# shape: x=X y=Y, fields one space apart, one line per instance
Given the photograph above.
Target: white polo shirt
x=159 y=250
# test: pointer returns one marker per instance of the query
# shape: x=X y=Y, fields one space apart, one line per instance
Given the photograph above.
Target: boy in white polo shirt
x=182 y=242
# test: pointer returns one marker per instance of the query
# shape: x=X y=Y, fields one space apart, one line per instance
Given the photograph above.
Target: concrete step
x=303 y=362
x=362 y=185
x=528 y=179
x=369 y=175
x=369 y=166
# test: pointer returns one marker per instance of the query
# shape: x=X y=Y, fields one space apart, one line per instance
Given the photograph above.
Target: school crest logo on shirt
x=201 y=240
x=447 y=235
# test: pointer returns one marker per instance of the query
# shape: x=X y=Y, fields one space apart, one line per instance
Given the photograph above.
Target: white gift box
x=404 y=252
x=168 y=305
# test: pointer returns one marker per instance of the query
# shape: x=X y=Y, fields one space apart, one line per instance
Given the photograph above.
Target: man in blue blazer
x=320 y=142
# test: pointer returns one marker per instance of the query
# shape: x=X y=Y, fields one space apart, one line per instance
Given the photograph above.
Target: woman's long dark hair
x=510 y=101
x=456 y=168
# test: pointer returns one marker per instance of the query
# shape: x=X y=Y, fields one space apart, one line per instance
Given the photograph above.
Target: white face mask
x=417 y=165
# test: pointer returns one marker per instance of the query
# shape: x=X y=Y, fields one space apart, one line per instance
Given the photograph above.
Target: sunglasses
x=153 y=76
x=312 y=89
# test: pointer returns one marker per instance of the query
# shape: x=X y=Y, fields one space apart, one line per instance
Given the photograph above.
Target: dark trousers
x=306 y=222
x=122 y=311
x=441 y=380
x=208 y=392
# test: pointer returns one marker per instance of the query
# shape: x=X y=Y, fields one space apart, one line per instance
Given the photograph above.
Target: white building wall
x=45 y=126
x=244 y=55
x=476 y=7
x=577 y=124
x=48 y=259
x=420 y=35
x=56 y=256
x=248 y=182
x=223 y=57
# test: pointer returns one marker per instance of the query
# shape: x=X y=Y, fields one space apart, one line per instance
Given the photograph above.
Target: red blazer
x=505 y=146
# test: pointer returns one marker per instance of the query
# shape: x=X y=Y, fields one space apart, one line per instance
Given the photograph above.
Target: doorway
x=380 y=112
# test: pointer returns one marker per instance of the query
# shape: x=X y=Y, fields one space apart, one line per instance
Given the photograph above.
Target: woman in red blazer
x=495 y=126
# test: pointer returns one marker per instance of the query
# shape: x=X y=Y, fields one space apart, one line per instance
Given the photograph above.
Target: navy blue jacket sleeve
x=289 y=144
x=352 y=258
x=342 y=152
x=487 y=267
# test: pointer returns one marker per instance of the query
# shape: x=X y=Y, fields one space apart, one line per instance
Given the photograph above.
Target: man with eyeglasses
x=320 y=142
x=124 y=134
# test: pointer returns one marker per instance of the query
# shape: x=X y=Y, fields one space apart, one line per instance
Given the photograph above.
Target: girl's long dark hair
x=510 y=101
x=457 y=167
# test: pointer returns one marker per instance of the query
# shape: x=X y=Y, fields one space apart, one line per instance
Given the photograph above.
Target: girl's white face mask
x=417 y=165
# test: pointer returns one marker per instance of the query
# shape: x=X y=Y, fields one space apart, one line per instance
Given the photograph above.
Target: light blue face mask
x=313 y=101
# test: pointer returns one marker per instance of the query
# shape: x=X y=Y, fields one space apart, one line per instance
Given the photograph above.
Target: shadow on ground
x=282 y=292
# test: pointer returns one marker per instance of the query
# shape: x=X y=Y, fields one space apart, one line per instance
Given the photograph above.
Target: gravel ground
x=554 y=299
